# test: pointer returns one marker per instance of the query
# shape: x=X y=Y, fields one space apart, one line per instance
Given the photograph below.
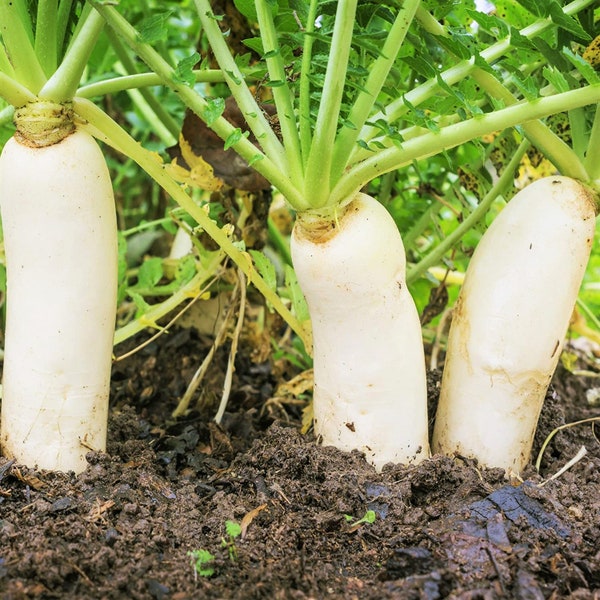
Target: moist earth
x=277 y=516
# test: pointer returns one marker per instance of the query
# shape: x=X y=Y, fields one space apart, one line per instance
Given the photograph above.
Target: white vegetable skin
x=510 y=322
x=370 y=390
x=60 y=237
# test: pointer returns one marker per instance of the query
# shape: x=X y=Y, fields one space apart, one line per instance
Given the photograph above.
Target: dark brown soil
x=445 y=529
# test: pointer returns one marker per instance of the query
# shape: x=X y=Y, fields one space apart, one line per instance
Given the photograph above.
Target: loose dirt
x=166 y=488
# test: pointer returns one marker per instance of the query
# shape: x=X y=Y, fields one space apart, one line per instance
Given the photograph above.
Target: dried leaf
x=249 y=517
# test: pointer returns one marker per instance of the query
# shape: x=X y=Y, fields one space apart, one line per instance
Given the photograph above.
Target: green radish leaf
x=556 y=78
x=586 y=70
x=567 y=22
x=142 y=306
x=255 y=158
x=247 y=8
x=234 y=137
x=233 y=529
x=265 y=267
x=490 y=23
x=185 y=271
x=298 y=300
x=254 y=44
x=535 y=7
x=150 y=273
x=152 y=29
x=201 y=560
x=184 y=71
x=214 y=109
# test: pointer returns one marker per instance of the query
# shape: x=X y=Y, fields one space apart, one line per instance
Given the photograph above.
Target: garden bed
x=443 y=529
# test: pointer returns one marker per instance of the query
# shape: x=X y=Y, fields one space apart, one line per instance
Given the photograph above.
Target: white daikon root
x=510 y=322
x=60 y=237
x=369 y=368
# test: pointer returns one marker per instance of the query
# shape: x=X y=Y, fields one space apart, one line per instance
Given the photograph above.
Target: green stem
x=318 y=166
x=281 y=90
x=63 y=83
x=19 y=47
x=306 y=68
x=13 y=92
x=279 y=242
x=104 y=127
x=379 y=70
x=260 y=161
x=62 y=23
x=432 y=143
x=6 y=116
x=140 y=80
x=46 y=36
x=419 y=227
x=591 y=161
x=578 y=127
x=5 y=66
x=253 y=114
x=505 y=181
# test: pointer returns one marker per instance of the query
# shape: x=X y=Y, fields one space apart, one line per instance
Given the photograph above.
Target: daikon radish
x=510 y=322
x=369 y=368
x=60 y=237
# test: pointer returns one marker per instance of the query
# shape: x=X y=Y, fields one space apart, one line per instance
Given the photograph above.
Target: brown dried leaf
x=249 y=517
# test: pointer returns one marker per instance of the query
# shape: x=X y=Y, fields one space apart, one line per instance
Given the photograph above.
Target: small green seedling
x=202 y=563
x=369 y=517
x=233 y=530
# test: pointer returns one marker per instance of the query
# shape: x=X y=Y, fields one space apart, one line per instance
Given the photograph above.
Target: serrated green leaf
x=556 y=78
x=297 y=297
x=185 y=271
x=567 y=22
x=265 y=268
x=214 y=109
x=141 y=305
x=535 y=7
x=233 y=529
x=490 y=23
x=586 y=70
x=234 y=137
x=150 y=273
x=184 y=71
x=152 y=29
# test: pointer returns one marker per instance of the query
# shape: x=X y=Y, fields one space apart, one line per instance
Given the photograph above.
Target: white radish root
x=510 y=322
x=369 y=369
x=60 y=237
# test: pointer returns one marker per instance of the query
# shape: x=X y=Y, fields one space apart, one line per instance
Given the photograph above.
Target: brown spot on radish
x=555 y=348
x=351 y=427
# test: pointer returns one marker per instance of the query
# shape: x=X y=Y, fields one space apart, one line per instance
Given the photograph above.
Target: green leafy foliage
x=202 y=563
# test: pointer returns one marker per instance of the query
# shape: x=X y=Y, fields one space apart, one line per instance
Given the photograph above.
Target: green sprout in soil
x=202 y=563
x=369 y=517
x=233 y=531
